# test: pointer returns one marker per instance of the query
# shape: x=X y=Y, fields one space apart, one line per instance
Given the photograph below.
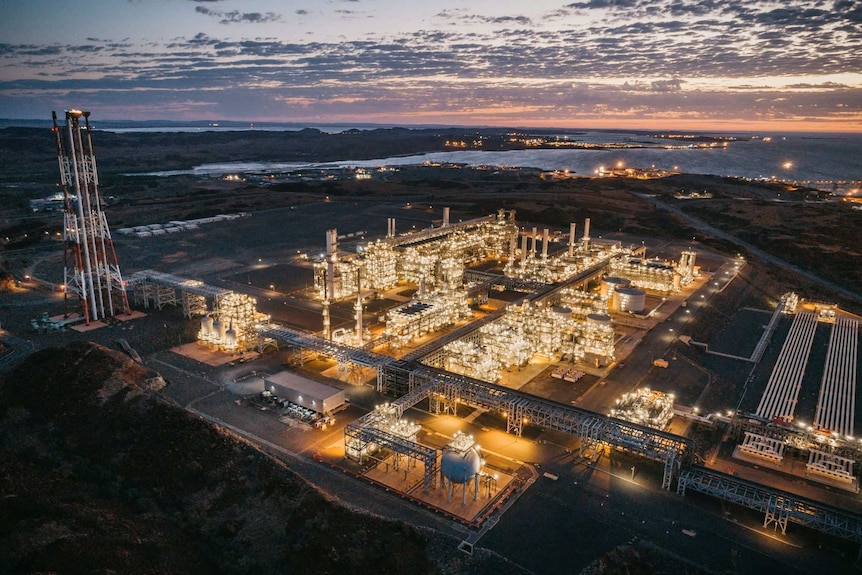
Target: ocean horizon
x=819 y=159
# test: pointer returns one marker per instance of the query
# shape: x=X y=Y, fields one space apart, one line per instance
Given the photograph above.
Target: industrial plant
x=498 y=325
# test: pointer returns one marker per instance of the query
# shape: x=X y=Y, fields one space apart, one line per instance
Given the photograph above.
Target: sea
x=825 y=160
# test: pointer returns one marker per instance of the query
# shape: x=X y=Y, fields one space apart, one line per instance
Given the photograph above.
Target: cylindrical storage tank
x=599 y=320
x=610 y=284
x=460 y=466
x=206 y=326
x=564 y=311
x=631 y=299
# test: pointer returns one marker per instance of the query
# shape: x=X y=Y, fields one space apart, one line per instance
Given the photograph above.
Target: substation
x=478 y=307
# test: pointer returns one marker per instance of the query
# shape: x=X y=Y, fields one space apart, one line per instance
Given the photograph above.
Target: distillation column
x=329 y=284
x=358 y=309
x=572 y=228
x=586 y=238
x=545 y=244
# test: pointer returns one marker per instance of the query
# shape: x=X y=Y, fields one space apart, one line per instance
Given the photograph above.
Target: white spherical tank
x=630 y=299
x=460 y=466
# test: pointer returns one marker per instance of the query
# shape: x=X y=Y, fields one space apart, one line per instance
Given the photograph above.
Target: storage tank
x=460 y=466
x=611 y=284
x=599 y=319
x=563 y=311
x=599 y=327
x=630 y=299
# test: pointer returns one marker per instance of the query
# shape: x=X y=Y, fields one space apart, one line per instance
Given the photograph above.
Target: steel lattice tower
x=91 y=272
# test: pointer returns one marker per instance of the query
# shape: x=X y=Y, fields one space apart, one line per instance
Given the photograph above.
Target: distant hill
x=101 y=474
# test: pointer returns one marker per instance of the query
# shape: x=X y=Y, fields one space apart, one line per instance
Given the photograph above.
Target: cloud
x=237 y=17
x=461 y=16
x=712 y=58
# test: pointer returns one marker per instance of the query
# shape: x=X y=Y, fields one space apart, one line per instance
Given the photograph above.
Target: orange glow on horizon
x=504 y=118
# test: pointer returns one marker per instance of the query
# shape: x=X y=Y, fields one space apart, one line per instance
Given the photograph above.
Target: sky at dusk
x=654 y=64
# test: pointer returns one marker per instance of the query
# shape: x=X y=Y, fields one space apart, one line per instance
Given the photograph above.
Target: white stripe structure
x=782 y=390
x=836 y=405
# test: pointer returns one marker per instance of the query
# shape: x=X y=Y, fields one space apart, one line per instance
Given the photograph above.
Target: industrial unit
x=563 y=299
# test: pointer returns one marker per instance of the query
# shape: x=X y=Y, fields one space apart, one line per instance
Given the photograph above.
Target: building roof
x=303 y=385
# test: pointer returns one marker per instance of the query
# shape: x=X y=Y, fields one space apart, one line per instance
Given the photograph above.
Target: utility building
x=316 y=396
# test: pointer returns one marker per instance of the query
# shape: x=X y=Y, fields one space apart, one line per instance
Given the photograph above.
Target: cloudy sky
x=663 y=64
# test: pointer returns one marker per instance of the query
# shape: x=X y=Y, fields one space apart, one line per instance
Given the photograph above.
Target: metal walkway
x=779 y=507
x=312 y=342
x=364 y=437
x=192 y=286
x=433 y=233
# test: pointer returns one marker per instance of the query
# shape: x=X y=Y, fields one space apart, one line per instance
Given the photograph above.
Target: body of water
x=789 y=157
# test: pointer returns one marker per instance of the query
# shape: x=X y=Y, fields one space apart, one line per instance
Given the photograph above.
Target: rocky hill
x=101 y=474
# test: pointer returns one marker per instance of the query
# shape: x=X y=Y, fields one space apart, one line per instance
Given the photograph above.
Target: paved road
x=560 y=526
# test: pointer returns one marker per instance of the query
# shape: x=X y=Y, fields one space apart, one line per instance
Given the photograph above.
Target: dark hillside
x=100 y=474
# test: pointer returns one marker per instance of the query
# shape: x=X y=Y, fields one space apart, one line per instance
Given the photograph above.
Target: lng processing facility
x=444 y=361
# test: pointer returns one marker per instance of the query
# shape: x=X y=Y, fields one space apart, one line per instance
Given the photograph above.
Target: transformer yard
x=470 y=365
